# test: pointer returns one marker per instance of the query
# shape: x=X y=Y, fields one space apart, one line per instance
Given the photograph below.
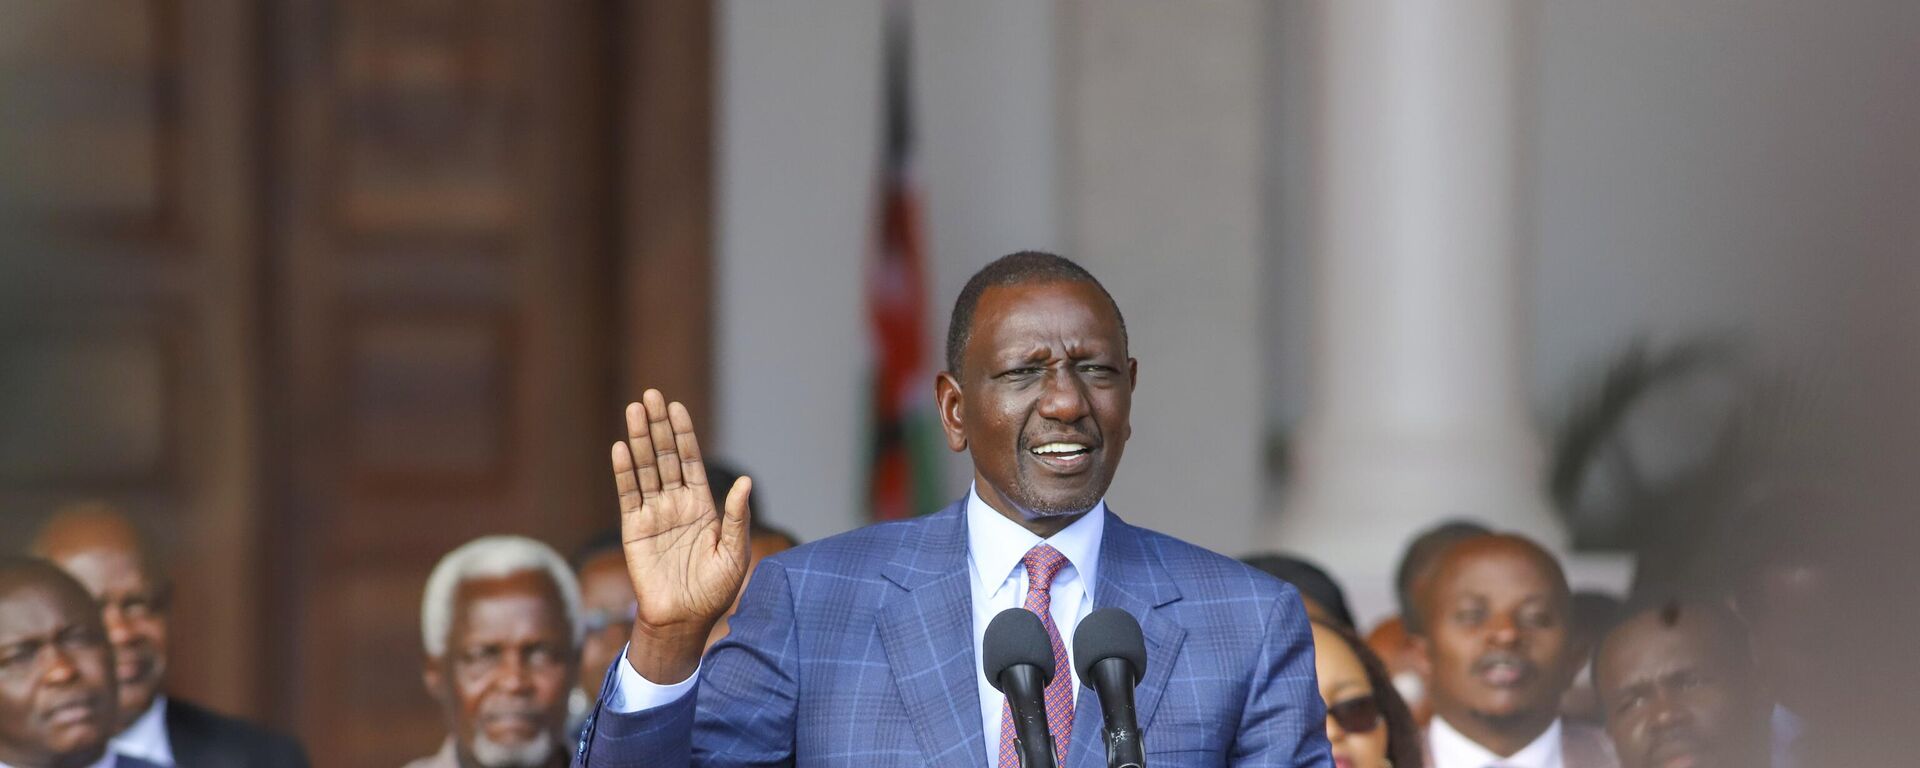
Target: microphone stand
x=1023 y=685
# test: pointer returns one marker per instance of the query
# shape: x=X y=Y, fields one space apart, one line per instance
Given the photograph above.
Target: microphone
x=1112 y=657
x=1018 y=660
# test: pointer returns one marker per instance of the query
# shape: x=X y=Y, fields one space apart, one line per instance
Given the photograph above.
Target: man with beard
x=863 y=648
x=56 y=679
x=1677 y=688
x=501 y=625
x=101 y=548
x=1495 y=640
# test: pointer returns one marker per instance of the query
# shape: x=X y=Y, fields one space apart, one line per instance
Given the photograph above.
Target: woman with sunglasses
x=1367 y=723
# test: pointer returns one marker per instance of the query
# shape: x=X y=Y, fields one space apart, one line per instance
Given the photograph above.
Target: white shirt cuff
x=633 y=693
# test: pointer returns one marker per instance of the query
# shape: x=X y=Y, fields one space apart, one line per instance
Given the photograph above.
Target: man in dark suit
x=56 y=671
x=863 y=649
x=102 y=549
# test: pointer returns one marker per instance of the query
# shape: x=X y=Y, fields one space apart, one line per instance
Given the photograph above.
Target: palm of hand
x=686 y=561
x=672 y=545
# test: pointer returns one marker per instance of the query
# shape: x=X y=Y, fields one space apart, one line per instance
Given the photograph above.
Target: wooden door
x=440 y=272
x=320 y=289
x=129 y=226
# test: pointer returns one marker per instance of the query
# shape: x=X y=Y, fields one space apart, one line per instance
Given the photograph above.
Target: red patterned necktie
x=1043 y=563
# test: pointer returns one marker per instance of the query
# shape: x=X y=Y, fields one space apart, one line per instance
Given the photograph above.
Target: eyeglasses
x=1356 y=715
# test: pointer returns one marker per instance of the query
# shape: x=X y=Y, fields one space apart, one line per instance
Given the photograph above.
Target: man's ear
x=946 y=395
x=433 y=676
x=1133 y=374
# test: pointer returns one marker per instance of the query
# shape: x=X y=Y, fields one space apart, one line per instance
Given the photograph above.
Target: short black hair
x=1591 y=615
x=601 y=542
x=1310 y=579
x=1728 y=642
x=1421 y=553
x=1015 y=269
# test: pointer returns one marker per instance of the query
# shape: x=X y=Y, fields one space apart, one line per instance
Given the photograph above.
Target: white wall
x=987 y=116
x=798 y=122
x=800 y=113
x=1698 y=168
x=1707 y=168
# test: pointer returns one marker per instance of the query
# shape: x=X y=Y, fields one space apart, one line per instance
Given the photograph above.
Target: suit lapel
x=1132 y=580
x=184 y=732
x=927 y=631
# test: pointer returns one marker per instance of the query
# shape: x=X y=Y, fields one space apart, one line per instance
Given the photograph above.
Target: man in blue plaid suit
x=863 y=649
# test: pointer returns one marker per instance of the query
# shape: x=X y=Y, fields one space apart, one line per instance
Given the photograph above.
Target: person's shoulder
x=1205 y=574
x=190 y=724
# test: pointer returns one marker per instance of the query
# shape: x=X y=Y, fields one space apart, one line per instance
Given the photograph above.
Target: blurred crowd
x=1491 y=660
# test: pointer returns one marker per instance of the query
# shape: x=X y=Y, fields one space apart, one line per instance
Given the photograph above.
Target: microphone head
x=1109 y=633
x=1016 y=636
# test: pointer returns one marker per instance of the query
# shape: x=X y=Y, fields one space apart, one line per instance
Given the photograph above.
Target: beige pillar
x=1417 y=404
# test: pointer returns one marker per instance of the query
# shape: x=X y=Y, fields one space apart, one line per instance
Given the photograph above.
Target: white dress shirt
x=147 y=738
x=1453 y=750
x=995 y=546
x=997 y=580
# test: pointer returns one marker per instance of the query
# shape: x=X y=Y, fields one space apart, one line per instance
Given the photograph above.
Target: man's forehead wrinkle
x=30 y=623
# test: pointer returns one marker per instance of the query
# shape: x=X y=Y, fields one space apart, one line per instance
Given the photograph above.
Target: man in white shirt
x=56 y=680
x=1492 y=625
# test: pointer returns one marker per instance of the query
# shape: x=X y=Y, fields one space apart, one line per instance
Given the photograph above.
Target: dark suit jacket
x=858 y=651
x=202 y=738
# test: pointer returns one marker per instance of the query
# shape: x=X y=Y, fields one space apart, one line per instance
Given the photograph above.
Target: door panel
x=444 y=335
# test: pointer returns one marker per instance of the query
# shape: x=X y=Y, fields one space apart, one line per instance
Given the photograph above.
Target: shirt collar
x=1451 y=749
x=995 y=545
x=147 y=738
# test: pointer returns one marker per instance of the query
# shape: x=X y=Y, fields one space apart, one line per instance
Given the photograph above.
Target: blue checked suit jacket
x=857 y=650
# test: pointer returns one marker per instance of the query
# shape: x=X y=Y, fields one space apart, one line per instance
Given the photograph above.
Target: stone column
x=1417 y=401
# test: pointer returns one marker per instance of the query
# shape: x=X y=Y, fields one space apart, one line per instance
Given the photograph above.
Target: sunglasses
x=1356 y=715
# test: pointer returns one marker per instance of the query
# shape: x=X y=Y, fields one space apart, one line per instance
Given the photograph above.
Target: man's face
x=56 y=690
x=1496 y=639
x=607 y=598
x=133 y=603
x=1043 y=398
x=504 y=679
x=1673 y=698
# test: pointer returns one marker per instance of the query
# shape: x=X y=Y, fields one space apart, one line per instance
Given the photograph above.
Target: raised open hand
x=685 y=559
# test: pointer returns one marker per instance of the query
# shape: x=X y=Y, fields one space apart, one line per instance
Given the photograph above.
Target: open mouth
x=1062 y=455
x=1504 y=672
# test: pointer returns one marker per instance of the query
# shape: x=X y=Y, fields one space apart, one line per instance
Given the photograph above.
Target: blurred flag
x=903 y=475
